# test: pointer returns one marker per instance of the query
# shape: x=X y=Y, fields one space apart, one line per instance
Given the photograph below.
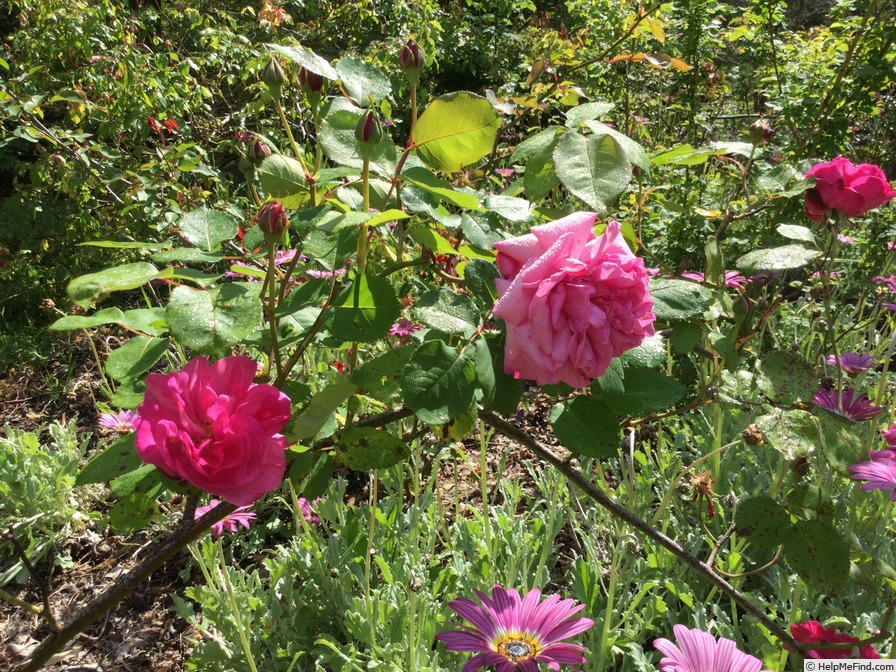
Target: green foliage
x=37 y=498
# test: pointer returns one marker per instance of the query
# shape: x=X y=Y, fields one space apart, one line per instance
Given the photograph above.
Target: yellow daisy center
x=516 y=647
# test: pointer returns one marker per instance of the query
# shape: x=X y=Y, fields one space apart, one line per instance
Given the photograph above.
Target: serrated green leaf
x=366 y=449
x=787 y=378
x=307 y=59
x=448 y=312
x=764 y=521
x=363 y=81
x=593 y=168
x=817 y=552
x=428 y=181
x=438 y=382
x=207 y=229
x=456 y=130
x=117 y=459
x=322 y=405
x=792 y=433
x=210 y=321
x=88 y=289
x=365 y=310
x=282 y=176
x=586 y=426
x=137 y=356
x=777 y=259
x=646 y=391
x=678 y=300
x=378 y=377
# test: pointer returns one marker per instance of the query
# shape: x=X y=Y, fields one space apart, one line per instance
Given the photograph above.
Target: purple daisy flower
x=733 y=279
x=404 y=328
x=307 y=512
x=241 y=516
x=517 y=634
x=888 y=280
x=889 y=435
x=699 y=651
x=879 y=471
x=846 y=404
x=122 y=422
x=851 y=362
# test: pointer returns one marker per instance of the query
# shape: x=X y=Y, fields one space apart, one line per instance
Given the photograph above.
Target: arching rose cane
x=210 y=425
x=514 y=633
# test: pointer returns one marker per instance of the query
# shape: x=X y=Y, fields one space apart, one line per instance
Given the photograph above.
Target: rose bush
x=208 y=424
x=851 y=189
x=572 y=301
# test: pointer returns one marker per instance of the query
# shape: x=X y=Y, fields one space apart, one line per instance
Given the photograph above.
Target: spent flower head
x=514 y=633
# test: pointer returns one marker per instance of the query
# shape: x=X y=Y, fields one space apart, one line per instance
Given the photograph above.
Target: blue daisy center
x=516 y=647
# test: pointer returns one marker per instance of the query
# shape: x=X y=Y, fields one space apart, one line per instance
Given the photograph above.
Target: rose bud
x=272 y=220
x=258 y=152
x=311 y=82
x=368 y=131
x=760 y=132
x=412 y=60
x=274 y=78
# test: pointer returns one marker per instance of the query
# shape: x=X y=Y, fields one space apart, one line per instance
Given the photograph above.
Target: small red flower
x=153 y=125
x=171 y=125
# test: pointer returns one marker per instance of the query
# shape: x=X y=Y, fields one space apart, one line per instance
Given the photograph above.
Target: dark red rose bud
x=412 y=60
x=311 y=82
x=368 y=131
x=272 y=219
x=258 y=152
x=760 y=132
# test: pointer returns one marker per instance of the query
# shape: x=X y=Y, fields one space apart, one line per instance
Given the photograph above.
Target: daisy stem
x=234 y=609
x=483 y=486
x=792 y=618
x=374 y=486
x=611 y=592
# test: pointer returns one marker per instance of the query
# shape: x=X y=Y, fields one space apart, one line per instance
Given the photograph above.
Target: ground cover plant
x=479 y=336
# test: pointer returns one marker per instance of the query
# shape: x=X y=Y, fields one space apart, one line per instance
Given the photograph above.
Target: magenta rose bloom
x=572 y=301
x=208 y=424
x=840 y=185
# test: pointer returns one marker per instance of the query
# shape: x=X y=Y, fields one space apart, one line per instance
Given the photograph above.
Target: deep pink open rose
x=572 y=301
x=840 y=185
x=210 y=425
x=813 y=632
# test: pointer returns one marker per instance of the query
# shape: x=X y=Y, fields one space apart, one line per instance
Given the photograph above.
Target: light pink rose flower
x=211 y=426
x=840 y=185
x=572 y=301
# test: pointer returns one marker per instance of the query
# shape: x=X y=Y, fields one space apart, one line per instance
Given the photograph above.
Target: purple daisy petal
x=880 y=474
x=698 y=651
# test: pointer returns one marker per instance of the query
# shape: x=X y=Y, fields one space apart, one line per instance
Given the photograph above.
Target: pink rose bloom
x=572 y=301
x=840 y=185
x=208 y=424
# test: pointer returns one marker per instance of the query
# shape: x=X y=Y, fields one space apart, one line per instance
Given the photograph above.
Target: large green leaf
x=646 y=391
x=282 y=176
x=363 y=81
x=438 y=382
x=117 y=459
x=135 y=357
x=448 y=312
x=366 y=449
x=207 y=229
x=72 y=322
x=480 y=276
x=88 y=289
x=633 y=151
x=378 y=377
x=586 y=112
x=307 y=59
x=777 y=259
x=817 y=552
x=787 y=378
x=210 y=321
x=678 y=300
x=792 y=433
x=365 y=310
x=586 y=426
x=456 y=130
x=323 y=404
x=844 y=443
x=594 y=168
x=764 y=521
